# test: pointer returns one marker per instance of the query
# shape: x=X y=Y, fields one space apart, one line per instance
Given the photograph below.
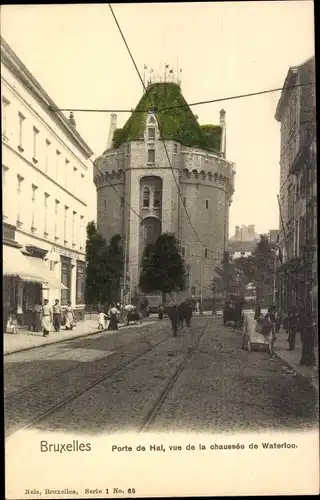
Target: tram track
x=105 y=376
x=154 y=411
x=68 y=370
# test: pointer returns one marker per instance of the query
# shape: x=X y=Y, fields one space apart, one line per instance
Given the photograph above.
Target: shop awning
x=40 y=268
x=17 y=264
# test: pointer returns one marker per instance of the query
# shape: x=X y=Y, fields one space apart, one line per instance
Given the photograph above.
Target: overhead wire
x=211 y=101
x=161 y=136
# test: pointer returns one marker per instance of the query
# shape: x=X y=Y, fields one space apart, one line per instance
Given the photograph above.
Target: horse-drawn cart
x=257 y=334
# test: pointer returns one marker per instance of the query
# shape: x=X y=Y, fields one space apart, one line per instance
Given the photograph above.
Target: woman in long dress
x=70 y=317
x=46 y=318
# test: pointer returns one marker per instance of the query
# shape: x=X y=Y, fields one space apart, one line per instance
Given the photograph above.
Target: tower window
x=184 y=201
x=206 y=252
x=146 y=197
x=207 y=204
x=175 y=149
x=157 y=199
x=151 y=156
x=151 y=134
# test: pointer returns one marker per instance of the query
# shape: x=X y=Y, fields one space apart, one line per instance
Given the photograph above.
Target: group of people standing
x=54 y=317
x=292 y=322
x=109 y=320
x=179 y=314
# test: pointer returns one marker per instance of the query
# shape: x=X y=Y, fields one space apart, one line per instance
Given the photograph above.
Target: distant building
x=240 y=248
x=245 y=233
x=273 y=235
x=45 y=175
x=296 y=111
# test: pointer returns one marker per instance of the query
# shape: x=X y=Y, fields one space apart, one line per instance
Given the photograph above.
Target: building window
x=66 y=173
x=4 y=191
x=58 y=154
x=47 y=165
x=157 y=199
x=206 y=252
x=19 y=191
x=207 y=204
x=146 y=197
x=66 y=280
x=82 y=230
x=56 y=219
x=80 y=282
x=183 y=251
x=34 y=208
x=65 y=228
x=21 y=122
x=74 y=181
x=184 y=201
x=5 y=108
x=46 y=202
x=35 y=138
x=175 y=149
x=151 y=134
x=74 y=216
x=151 y=156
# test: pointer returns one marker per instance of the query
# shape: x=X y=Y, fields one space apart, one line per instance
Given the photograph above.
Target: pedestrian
x=197 y=307
x=70 y=317
x=188 y=314
x=46 y=318
x=56 y=314
x=173 y=314
x=161 y=311
x=102 y=320
x=181 y=314
x=257 y=312
x=114 y=316
x=37 y=317
x=293 y=328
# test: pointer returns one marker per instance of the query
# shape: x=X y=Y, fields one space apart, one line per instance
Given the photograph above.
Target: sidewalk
x=25 y=340
x=292 y=358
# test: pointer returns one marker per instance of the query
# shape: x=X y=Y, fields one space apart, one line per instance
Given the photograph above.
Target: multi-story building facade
x=45 y=176
x=296 y=111
x=166 y=184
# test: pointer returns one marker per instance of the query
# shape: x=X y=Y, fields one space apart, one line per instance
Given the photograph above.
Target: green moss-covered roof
x=177 y=124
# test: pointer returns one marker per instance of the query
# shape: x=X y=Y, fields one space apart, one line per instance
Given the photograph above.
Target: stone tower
x=136 y=171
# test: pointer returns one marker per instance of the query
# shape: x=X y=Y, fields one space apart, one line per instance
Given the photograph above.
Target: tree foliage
x=163 y=267
x=233 y=275
x=104 y=267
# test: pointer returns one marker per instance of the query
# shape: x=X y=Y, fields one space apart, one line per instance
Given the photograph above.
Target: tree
x=163 y=267
x=258 y=268
x=104 y=267
x=229 y=277
x=262 y=267
x=95 y=249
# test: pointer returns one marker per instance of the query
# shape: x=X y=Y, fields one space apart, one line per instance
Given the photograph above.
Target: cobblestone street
x=144 y=379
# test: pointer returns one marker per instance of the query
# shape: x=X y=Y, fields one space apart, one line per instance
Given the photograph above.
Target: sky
x=224 y=49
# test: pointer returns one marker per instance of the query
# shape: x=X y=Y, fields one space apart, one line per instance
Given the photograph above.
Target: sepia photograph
x=160 y=288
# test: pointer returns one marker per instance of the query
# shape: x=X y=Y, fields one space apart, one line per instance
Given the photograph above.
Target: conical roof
x=177 y=123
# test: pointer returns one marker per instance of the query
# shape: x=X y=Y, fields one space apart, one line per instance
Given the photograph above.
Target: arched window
x=152 y=119
x=146 y=197
x=157 y=199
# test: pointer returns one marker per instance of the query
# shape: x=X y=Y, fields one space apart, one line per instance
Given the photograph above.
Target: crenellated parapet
x=105 y=178
x=213 y=178
x=111 y=163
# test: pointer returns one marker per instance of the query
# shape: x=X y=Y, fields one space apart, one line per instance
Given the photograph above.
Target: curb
x=24 y=349
x=312 y=382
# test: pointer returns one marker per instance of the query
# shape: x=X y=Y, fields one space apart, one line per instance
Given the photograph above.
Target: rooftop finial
x=170 y=74
x=72 y=120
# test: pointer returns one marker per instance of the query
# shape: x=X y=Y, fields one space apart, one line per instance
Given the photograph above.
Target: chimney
x=223 y=143
x=251 y=231
x=113 y=126
x=72 y=120
x=237 y=232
